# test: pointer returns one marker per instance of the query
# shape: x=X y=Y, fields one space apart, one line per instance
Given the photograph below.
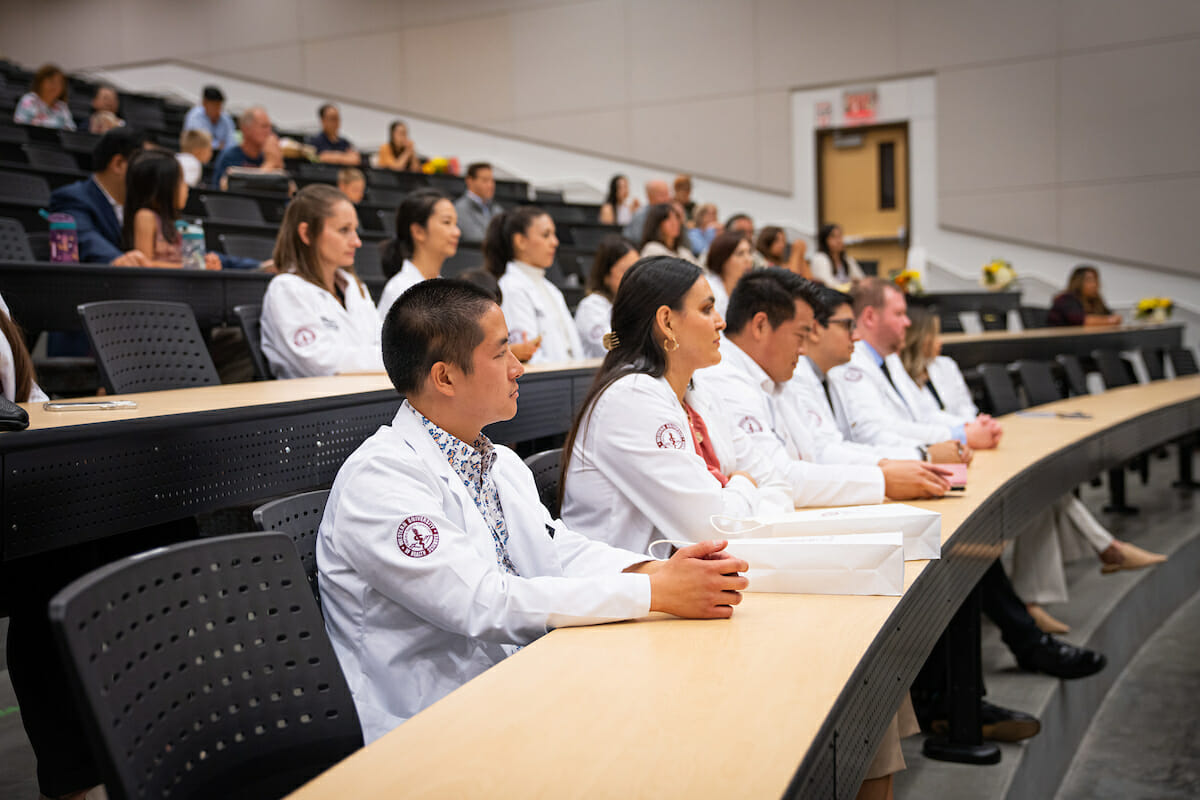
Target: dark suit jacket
x=95 y=221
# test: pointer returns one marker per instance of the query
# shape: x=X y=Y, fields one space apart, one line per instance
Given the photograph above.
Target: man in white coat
x=769 y=321
x=435 y=558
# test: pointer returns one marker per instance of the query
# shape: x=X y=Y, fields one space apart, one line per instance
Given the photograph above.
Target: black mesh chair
x=323 y=173
x=389 y=198
x=21 y=187
x=232 y=208
x=1033 y=317
x=1114 y=370
x=546 y=467
x=1073 y=372
x=13 y=134
x=259 y=248
x=145 y=346
x=49 y=157
x=14 y=246
x=1152 y=358
x=387 y=220
x=299 y=516
x=1183 y=361
x=998 y=389
x=589 y=238
x=39 y=245
x=205 y=671
x=468 y=257
x=250 y=319
x=1037 y=379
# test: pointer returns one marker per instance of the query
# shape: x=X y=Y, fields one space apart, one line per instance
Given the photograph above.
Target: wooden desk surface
x=1053 y=333
x=682 y=708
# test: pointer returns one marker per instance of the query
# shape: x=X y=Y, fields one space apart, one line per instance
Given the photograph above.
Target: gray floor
x=1145 y=740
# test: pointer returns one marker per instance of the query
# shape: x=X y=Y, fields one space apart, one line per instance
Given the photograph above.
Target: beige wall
x=1068 y=124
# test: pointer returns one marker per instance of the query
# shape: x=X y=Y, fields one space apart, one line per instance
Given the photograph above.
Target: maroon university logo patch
x=304 y=337
x=670 y=436
x=854 y=374
x=417 y=536
x=750 y=424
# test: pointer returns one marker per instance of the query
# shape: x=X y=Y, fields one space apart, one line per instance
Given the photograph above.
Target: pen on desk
x=89 y=405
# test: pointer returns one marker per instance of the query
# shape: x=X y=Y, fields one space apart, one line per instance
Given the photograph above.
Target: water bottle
x=64 y=238
x=193 y=246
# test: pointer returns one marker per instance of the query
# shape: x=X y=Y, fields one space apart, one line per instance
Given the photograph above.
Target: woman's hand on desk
x=912 y=480
x=699 y=581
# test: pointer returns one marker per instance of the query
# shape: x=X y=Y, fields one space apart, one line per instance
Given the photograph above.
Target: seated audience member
x=769 y=323
x=399 y=152
x=426 y=235
x=487 y=281
x=744 y=224
x=618 y=207
x=657 y=192
x=728 y=259
x=652 y=456
x=353 y=183
x=1081 y=303
x=98 y=203
x=705 y=228
x=664 y=233
x=478 y=205
x=593 y=315
x=880 y=402
x=518 y=249
x=772 y=246
x=195 y=150
x=683 y=196
x=210 y=116
x=433 y=557
x=259 y=148
x=105 y=105
x=832 y=265
x=330 y=146
x=155 y=194
x=317 y=317
x=45 y=105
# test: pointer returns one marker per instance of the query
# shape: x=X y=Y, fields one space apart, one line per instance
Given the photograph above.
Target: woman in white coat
x=426 y=235
x=832 y=265
x=594 y=313
x=518 y=249
x=729 y=257
x=317 y=317
x=649 y=457
x=665 y=234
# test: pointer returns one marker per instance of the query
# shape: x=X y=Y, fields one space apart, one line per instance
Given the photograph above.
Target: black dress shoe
x=1060 y=659
x=996 y=723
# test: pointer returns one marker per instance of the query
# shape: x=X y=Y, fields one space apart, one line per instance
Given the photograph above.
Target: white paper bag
x=922 y=529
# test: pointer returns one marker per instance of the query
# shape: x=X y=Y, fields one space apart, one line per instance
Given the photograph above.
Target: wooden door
x=862 y=185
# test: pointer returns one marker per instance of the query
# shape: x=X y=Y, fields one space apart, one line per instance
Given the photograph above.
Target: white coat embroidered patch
x=417 y=536
x=750 y=424
x=669 y=435
x=854 y=374
x=304 y=337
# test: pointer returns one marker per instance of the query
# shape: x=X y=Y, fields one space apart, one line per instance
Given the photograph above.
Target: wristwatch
x=924 y=451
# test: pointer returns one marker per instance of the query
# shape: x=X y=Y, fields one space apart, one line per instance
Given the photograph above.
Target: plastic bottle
x=64 y=238
x=193 y=246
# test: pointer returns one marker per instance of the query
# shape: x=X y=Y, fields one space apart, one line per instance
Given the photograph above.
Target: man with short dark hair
x=477 y=205
x=436 y=559
x=210 y=116
x=331 y=147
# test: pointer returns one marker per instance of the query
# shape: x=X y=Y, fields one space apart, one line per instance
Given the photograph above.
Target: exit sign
x=858 y=105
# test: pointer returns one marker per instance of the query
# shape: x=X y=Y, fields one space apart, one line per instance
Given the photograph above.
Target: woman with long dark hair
x=730 y=256
x=426 y=235
x=619 y=207
x=594 y=313
x=650 y=457
x=665 y=234
x=1081 y=303
x=832 y=265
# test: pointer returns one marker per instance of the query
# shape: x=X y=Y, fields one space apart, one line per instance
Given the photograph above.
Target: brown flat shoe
x=1128 y=556
x=1045 y=622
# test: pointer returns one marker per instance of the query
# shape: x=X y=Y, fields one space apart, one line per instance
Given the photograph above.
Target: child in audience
x=352 y=183
x=594 y=314
x=426 y=235
x=195 y=150
x=155 y=194
x=317 y=317
x=518 y=249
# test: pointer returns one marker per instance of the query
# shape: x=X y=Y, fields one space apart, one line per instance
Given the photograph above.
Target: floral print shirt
x=31 y=110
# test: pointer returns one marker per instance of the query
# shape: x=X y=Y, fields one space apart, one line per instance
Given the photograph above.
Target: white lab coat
x=807 y=393
x=635 y=477
x=874 y=412
x=779 y=429
x=409 y=629
x=306 y=332
x=398 y=284
x=593 y=319
x=720 y=296
x=533 y=307
x=952 y=387
x=8 y=369
x=822 y=270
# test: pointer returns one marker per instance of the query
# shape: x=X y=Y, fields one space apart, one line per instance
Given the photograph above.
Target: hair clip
x=611 y=341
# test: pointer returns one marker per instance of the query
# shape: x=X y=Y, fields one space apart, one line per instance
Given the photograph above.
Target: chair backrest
x=144 y=346
x=259 y=248
x=546 y=467
x=1183 y=361
x=24 y=188
x=1034 y=317
x=368 y=260
x=299 y=516
x=250 y=319
x=1113 y=369
x=1074 y=374
x=587 y=237
x=998 y=388
x=14 y=246
x=49 y=157
x=389 y=198
x=387 y=220
x=205 y=670
x=468 y=257
x=232 y=208
x=1037 y=379
x=1152 y=358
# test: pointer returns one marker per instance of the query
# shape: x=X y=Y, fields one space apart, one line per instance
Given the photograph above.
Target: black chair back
x=468 y=257
x=250 y=319
x=1073 y=372
x=387 y=220
x=24 y=188
x=145 y=346
x=14 y=246
x=259 y=248
x=1033 y=317
x=590 y=238
x=998 y=389
x=299 y=516
x=546 y=467
x=1183 y=361
x=1037 y=379
x=1152 y=357
x=368 y=260
x=49 y=157
x=232 y=208
x=1113 y=369
x=205 y=671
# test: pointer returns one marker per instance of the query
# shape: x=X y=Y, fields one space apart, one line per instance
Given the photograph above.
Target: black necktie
x=828 y=395
x=933 y=390
x=887 y=374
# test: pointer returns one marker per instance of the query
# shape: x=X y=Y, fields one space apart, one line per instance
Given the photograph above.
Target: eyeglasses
x=849 y=324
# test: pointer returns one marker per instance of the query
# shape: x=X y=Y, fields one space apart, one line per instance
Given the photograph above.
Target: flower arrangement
x=1154 y=309
x=440 y=165
x=909 y=281
x=998 y=275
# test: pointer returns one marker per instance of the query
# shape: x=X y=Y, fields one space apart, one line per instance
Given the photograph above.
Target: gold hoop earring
x=670 y=344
